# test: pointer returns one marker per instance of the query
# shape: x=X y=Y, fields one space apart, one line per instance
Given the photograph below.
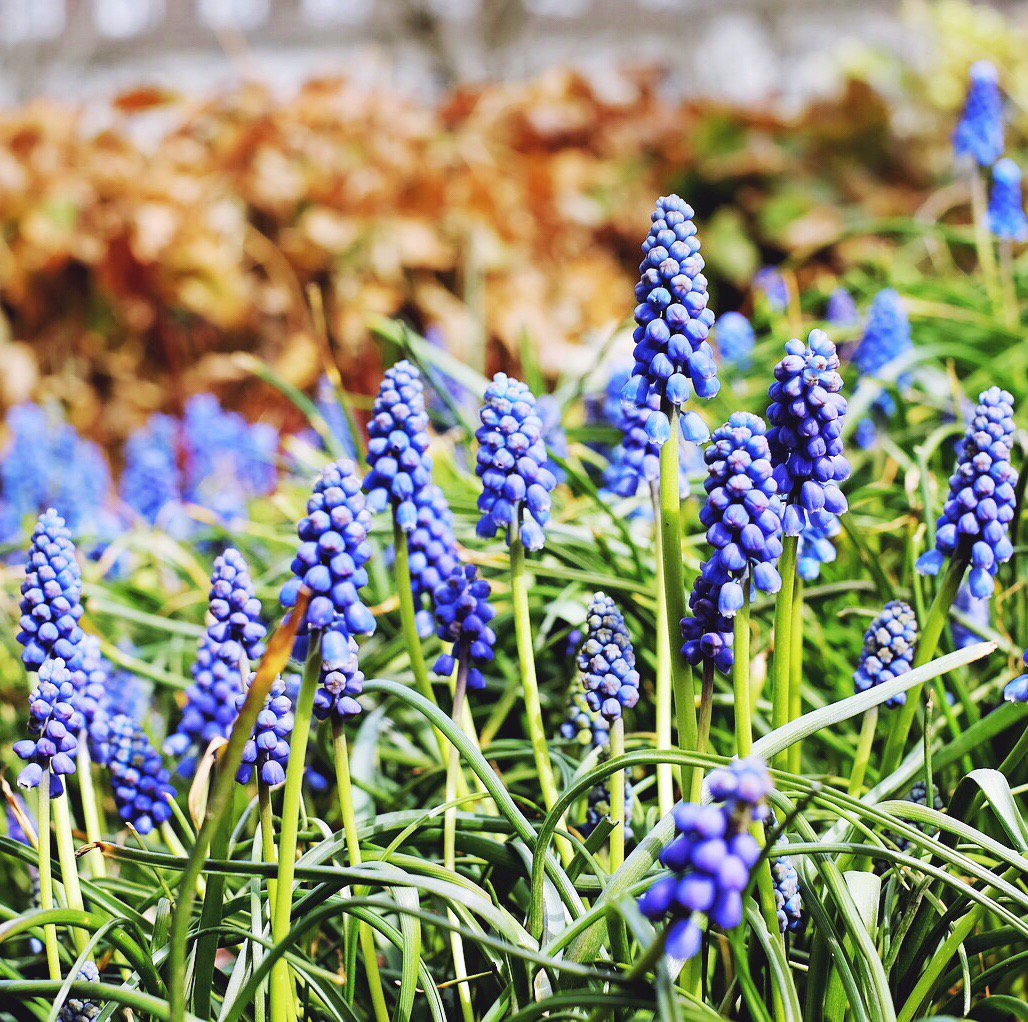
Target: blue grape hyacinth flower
x=805 y=416
x=234 y=613
x=980 y=506
x=51 y=594
x=432 y=552
x=889 y=645
x=267 y=749
x=1007 y=220
x=333 y=551
x=709 y=860
x=769 y=283
x=399 y=466
x=54 y=721
x=672 y=353
x=511 y=462
x=151 y=482
x=582 y=724
x=1016 y=691
x=81 y=1009
x=707 y=634
x=140 y=782
x=554 y=437
x=816 y=547
x=979 y=132
x=735 y=338
x=841 y=309
x=342 y=680
x=463 y=611
x=742 y=513
x=976 y=610
x=788 y=902
x=886 y=338
x=607 y=660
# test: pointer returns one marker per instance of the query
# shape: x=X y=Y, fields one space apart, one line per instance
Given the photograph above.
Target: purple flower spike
x=806 y=413
x=463 y=611
x=842 y=309
x=55 y=721
x=267 y=751
x=976 y=516
x=979 y=132
x=672 y=354
x=735 y=338
x=707 y=633
x=607 y=660
x=141 y=784
x=889 y=645
x=1006 y=207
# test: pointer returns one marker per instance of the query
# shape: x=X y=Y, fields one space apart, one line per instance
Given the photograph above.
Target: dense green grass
x=933 y=926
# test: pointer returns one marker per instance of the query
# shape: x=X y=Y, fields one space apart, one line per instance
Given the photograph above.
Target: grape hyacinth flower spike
x=399 y=466
x=735 y=339
x=805 y=416
x=707 y=634
x=1016 y=691
x=1007 y=220
x=511 y=462
x=582 y=724
x=769 y=283
x=81 y=1009
x=979 y=132
x=788 y=900
x=742 y=512
x=55 y=721
x=842 y=309
x=141 y=784
x=980 y=506
x=234 y=613
x=51 y=594
x=607 y=661
x=673 y=356
x=886 y=338
x=888 y=652
x=710 y=858
x=816 y=547
x=267 y=750
x=464 y=612
x=432 y=551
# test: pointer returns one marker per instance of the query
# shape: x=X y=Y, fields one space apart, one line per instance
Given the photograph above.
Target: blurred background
x=180 y=181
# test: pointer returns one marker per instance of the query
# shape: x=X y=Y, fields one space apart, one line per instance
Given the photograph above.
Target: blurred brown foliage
x=130 y=273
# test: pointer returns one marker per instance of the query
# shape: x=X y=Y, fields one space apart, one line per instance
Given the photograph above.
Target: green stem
x=1011 y=314
x=665 y=777
x=526 y=661
x=408 y=620
x=682 y=681
x=706 y=707
x=982 y=239
x=863 y=753
x=175 y=846
x=364 y=934
x=796 y=671
x=781 y=666
x=769 y=910
x=268 y=850
x=69 y=865
x=281 y=980
x=741 y=676
x=450 y=834
x=46 y=883
x=617 y=797
x=926 y=647
x=90 y=813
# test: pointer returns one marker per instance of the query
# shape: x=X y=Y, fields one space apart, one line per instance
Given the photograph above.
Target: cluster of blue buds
x=234 y=613
x=707 y=634
x=51 y=594
x=841 y=309
x=342 y=680
x=769 y=283
x=607 y=660
x=81 y=1009
x=511 y=462
x=788 y=902
x=672 y=353
x=210 y=707
x=141 y=783
x=1016 y=691
x=598 y=808
x=55 y=722
x=888 y=652
x=554 y=437
x=399 y=466
x=979 y=132
x=742 y=512
x=886 y=338
x=267 y=750
x=150 y=479
x=432 y=551
x=92 y=681
x=334 y=549
x=463 y=611
x=980 y=505
x=1006 y=209
x=806 y=415
x=816 y=547
x=735 y=339
x=582 y=724
x=710 y=858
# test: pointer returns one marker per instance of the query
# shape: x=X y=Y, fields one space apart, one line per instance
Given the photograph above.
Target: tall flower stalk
x=673 y=358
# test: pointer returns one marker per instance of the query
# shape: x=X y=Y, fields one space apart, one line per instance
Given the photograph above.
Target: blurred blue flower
x=769 y=283
x=734 y=338
x=816 y=547
x=1007 y=220
x=511 y=462
x=672 y=354
x=979 y=132
x=886 y=338
x=976 y=610
x=976 y=516
x=553 y=434
x=1016 y=691
x=842 y=309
